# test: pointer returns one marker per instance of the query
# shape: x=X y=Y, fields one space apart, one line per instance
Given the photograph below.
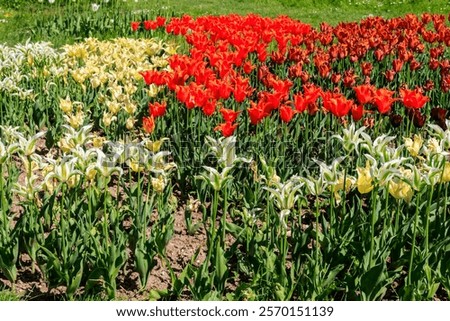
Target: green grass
x=309 y=11
x=9 y=296
x=20 y=23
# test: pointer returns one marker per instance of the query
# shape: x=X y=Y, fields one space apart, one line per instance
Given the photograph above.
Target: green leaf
x=156 y=295
x=220 y=267
x=374 y=282
x=9 y=270
x=75 y=283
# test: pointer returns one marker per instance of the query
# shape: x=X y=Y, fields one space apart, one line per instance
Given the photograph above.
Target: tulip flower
x=414 y=146
x=148 y=123
x=226 y=128
x=286 y=113
x=229 y=115
x=413 y=98
x=364 y=182
x=157 y=109
x=364 y=93
x=401 y=190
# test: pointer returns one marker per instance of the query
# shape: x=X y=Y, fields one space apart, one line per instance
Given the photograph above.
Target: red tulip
x=337 y=104
x=349 y=78
x=248 y=67
x=364 y=93
x=397 y=65
x=209 y=107
x=389 y=74
x=160 y=21
x=286 y=113
x=135 y=25
x=335 y=78
x=226 y=128
x=300 y=103
x=148 y=123
x=357 y=112
x=414 y=65
x=413 y=98
x=150 y=25
x=229 y=115
x=366 y=68
x=256 y=113
x=382 y=98
x=157 y=109
x=311 y=93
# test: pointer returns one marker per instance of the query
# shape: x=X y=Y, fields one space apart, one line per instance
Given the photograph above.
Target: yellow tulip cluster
x=114 y=67
x=22 y=62
x=109 y=67
x=82 y=159
x=425 y=163
x=401 y=170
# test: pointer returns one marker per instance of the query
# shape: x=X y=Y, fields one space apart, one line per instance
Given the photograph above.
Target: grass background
x=19 y=19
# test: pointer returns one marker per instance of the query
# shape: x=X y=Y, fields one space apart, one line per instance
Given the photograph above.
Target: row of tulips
x=393 y=198
x=284 y=65
x=92 y=80
x=82 y=195
x=72 y=206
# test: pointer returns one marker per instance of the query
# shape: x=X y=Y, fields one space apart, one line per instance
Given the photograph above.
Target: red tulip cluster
x=264 y=66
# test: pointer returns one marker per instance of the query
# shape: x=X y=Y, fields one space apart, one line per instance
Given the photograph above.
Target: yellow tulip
x=75 y=120
x=158 y=184
x=339 y=186
x=446 y=173
x=135 y=166
x=78 y=76
x=401 y=190
x=152 y=90
x=130 y=123
x=98 y=142
x=73 y=181
x=66 y=105
x=113 y=107
x=108 y=119
x=365 y=180
x=130 y=108
x=414 y=146
x=95 y=82
x=91 y=172
x=66 y=146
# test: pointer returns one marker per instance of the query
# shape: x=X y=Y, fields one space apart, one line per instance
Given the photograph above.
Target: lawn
x=24 y=18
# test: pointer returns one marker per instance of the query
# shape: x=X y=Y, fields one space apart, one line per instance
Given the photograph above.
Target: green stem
x=332 y=217
x=344 y=207
x=283 y=249
x=62 y=224
x=212 y=227
x=139 y=200
x=411 y=259
x=427 y=222
x=317 y=231
x=444 y=217
x=2 y=195
x=386 y=220
x=224 y=214
x=397 y=217
x=105 y=217
x=372 y=228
